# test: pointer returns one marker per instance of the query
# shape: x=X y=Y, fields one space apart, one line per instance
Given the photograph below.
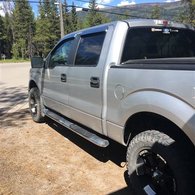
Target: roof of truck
x=131 y=23
x=156 y=22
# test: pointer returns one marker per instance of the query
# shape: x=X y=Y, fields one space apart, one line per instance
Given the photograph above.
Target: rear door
x=85 y=80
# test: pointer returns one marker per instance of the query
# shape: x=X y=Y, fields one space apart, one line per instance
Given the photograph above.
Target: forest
x=24 y=33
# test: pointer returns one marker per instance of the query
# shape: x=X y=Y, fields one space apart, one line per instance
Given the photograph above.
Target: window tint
x=149 y=43
x=89 y=49
x=60 y=55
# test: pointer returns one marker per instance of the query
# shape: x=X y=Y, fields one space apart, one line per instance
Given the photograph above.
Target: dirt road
x=13 y=86
x=47 y=158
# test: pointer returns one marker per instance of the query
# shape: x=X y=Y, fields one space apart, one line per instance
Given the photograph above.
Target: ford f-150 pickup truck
x=130 y=81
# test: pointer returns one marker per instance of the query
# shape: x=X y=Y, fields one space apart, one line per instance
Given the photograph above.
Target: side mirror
x=37 y=62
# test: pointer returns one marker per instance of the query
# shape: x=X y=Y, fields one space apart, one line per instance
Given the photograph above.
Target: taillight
x=165 y=22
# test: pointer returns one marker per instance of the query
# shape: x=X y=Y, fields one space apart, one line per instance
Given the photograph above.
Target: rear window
x=151 y=43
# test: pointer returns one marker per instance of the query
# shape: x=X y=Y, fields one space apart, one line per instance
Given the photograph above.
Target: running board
x=95 y=139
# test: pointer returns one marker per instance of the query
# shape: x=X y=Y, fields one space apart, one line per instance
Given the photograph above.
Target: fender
x=36 y=77
x=173 y=108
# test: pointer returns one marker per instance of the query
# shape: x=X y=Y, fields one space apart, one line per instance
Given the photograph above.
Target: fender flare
x=173 y=108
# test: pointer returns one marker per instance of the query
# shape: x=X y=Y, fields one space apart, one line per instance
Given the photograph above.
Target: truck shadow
x=115 y=152
x=126 y=190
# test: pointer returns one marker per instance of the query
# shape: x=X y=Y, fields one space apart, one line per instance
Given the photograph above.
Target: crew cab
x=131 y=81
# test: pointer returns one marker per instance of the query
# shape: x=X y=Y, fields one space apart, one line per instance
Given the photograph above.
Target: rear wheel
x=157 y=165
x=35 y=105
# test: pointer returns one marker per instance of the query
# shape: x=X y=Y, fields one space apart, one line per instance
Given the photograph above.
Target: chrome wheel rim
x=33 y=105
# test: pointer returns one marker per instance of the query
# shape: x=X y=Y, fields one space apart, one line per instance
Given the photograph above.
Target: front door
x=55 y=88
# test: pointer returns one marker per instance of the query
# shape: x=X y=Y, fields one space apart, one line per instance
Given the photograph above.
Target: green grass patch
x=14 y=60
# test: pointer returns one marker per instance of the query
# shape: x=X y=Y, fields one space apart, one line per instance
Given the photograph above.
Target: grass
x=14 y=60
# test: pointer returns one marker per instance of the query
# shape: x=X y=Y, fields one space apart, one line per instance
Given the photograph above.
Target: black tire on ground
x=35 y=105
x=157 y=164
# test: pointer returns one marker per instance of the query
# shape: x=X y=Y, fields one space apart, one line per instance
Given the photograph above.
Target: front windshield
x=156 y=42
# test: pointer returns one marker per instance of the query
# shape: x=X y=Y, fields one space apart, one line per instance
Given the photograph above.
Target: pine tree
x=67 y=18
x=42 y=30
x=124 y=17
x=190 y=16
x=8 y=35
x=155 y=12
x=54 y=18
x=2 y=37
x=23 y=28
x=74 y=19
x=8 y=28
x=93 y=17
x=47 y=27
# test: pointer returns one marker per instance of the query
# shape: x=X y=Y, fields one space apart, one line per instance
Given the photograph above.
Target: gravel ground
x=49 y=159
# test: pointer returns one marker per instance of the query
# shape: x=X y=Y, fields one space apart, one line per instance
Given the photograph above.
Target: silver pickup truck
x=133 y=82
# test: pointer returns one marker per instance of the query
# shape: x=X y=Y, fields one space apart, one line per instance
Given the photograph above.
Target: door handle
x=95 y=82
x=63 y=77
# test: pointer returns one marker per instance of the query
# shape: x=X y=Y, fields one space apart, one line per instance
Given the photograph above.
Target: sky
x=102 y=2
x=109 y=2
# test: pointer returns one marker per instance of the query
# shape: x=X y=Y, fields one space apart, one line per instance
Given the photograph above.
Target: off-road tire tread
x=154 y=136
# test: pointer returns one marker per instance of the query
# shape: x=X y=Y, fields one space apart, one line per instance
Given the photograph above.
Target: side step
x=77 y=129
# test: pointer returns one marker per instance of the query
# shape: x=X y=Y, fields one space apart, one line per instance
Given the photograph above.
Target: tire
x=157 y=164
x=35 y=105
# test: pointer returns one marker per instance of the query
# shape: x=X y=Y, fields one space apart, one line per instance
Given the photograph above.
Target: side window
x=59 y=57
x=89 y=49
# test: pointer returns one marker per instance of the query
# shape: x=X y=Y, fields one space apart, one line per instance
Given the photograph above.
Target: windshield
x=151 y=43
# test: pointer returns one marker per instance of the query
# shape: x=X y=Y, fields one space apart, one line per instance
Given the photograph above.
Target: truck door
x=85 y=81
x=55 y=88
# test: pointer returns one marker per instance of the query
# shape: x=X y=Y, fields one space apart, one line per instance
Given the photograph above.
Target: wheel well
x=150 y=121
x=31 y=85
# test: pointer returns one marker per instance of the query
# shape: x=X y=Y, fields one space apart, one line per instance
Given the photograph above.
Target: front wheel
x=157 y=165
x=35 y=105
